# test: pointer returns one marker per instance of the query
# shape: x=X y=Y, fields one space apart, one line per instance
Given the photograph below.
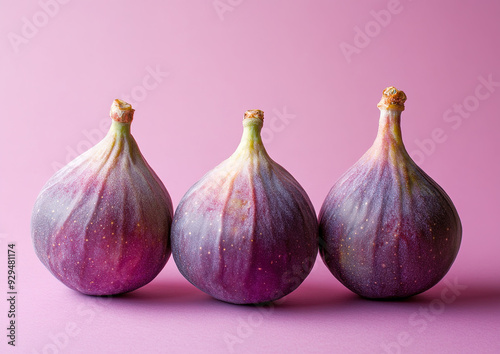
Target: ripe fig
x=246 y=232
x=387 y=230
x=101 y=224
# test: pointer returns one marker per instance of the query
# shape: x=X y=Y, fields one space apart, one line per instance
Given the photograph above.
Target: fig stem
x=392 y=98
x=252 y=125
x=254 y=113
x=121 y=111
x=389 y=127
x=120 y=128
x=391 y=105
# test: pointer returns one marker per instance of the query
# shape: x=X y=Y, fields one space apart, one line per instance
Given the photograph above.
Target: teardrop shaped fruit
x=101 y=224
x=387 y=230
x=247 y=231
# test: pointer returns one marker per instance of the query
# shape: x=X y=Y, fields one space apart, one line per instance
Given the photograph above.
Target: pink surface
x=191 y=69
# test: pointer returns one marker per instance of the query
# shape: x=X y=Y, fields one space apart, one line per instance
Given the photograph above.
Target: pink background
x=63 y=63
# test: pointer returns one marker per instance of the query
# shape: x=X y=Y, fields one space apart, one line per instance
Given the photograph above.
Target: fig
x=387 y=230
x=246 y=233
x=101 y=224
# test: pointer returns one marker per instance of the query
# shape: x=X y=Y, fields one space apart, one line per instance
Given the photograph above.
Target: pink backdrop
x=191 y=69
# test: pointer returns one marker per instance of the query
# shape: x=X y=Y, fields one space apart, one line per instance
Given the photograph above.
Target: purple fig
x=101 y=224
x=387 y=230
x=246 y=232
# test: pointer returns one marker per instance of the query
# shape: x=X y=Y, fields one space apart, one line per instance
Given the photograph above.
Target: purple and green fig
x=387 y=230
x=101 y=224
x=247 y=232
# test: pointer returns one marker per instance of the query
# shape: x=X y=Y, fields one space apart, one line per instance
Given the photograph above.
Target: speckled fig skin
x=101 y=224
x=246 y=232
x=387 y=230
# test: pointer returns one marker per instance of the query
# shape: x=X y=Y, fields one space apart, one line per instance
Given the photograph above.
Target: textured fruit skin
x=247 y=231
x=387 y=230
x=101 y=224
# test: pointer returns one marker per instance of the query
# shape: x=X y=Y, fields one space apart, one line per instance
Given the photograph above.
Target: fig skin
x=101 y=224
x=246 y=233
x=387 y=230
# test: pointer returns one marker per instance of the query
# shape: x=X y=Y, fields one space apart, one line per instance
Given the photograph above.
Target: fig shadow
x=310 y=298
x=166 y=291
